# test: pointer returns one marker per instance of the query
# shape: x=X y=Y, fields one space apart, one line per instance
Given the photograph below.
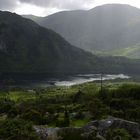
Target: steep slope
x=33 y=17
x=102 y=29
x=27 y=47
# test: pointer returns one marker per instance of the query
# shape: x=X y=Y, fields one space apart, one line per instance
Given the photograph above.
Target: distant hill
x=104 y=29
x=33 y=17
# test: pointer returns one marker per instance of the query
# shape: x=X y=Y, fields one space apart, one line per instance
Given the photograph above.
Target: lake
x=71 y=80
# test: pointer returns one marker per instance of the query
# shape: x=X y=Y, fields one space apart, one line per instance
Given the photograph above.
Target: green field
x=130 y=52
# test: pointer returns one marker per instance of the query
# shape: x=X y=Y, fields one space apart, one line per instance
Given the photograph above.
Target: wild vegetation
x=20 y=109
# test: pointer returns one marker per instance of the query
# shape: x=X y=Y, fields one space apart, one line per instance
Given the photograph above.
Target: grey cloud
x=61 y=4
x=8 y=4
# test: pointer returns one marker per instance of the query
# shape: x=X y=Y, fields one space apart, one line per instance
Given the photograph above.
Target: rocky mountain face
x=107 y=30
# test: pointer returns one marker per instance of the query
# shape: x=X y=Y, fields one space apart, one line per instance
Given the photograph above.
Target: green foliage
x=118 y=134
x=34 y=116
x=97 y=108
x=65 y=121
x=71 y=134
x=6 y=105
x=73 y=106
x=128 y=91
x=130 y=52
x=17 y=129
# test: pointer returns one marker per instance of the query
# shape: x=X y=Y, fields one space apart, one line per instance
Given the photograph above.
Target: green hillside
x=130 y=52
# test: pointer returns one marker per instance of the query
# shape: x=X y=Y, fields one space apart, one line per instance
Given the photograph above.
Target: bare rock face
x=95 y=129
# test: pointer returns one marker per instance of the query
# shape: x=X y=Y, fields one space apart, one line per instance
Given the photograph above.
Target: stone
x=95 y=128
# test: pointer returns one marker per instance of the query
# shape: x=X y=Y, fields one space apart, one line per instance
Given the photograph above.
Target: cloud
x=46 y=7
x=8 y=4
x=61 y=4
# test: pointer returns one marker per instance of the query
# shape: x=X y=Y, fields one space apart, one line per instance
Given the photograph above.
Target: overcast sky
x=46 y=7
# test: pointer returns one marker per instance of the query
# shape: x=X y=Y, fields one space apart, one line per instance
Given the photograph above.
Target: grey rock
x=111 y=122
x=95 y=128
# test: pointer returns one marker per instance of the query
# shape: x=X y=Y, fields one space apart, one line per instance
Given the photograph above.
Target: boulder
x=97 y=129
x=111 y=122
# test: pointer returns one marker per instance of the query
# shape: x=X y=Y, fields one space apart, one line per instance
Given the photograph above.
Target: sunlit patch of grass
x=20 y=95
x=80 y=122
x=130 y=52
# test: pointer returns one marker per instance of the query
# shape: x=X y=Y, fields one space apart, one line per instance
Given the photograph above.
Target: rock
x=46 y=133
x=111 y=122
x=100 y=137
x=96 y=129
x=131 y=127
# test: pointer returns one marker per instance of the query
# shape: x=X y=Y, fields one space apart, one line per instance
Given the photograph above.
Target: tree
x=17 y=129
x=97 y=108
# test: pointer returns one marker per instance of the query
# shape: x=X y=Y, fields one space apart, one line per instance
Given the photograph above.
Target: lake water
x=75 y=80
x=80 y=79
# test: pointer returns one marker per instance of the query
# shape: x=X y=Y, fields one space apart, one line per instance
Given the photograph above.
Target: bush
x=17 y=129
x=118 y=134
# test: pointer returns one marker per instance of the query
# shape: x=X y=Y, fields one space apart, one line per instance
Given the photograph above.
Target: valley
x=72 y=75
x=65 y=81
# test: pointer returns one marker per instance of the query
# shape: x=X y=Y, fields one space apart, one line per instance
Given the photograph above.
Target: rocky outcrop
x=46 y=133
x=111 y=122
x=96 y=129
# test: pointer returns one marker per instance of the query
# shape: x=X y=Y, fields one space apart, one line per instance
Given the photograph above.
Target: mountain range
x=26 y=47
x=111 y=29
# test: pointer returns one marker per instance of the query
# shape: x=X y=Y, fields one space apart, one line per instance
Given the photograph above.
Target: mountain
x=107 y=29
x=26 y=47
x=33 y=17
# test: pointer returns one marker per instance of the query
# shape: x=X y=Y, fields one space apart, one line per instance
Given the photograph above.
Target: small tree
x=17 y=129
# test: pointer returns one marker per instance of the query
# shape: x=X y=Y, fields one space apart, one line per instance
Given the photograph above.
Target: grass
x=60 y=92
x=130 y=52
x=80 y=122
x=89 y=88
x=20 y=95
